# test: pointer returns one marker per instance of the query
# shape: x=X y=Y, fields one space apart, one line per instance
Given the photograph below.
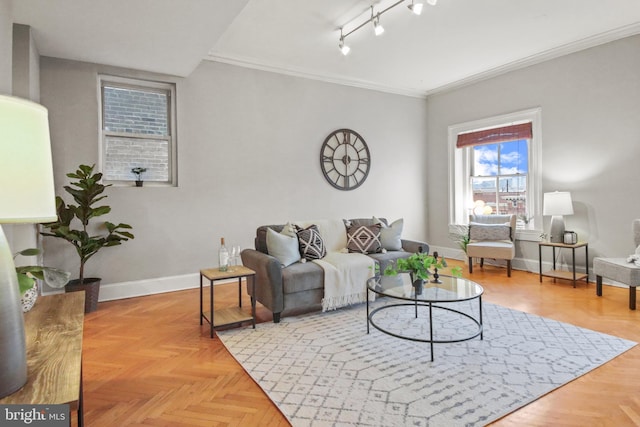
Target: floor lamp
x=557 y=204
x=26 y=196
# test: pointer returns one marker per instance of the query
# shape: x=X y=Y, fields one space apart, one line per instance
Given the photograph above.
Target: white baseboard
x=138 y=288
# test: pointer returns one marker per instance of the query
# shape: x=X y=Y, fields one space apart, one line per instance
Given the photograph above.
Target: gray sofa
x=299 y=287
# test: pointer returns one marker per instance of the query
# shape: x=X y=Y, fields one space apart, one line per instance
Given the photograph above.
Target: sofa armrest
x=269 y=289
x=415 y=246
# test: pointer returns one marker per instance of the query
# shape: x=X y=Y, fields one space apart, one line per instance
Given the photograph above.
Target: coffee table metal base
x=431 y=306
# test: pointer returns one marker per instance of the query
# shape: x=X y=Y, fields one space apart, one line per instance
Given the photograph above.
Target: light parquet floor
x=148 y=362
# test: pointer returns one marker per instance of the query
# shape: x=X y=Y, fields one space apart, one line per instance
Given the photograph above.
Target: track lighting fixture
x=343 y=47
x=377 y=28
x=415 y=7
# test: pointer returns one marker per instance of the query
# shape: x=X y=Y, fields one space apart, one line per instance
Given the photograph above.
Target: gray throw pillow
x=284 y=248
x=391 y=236
x=479 y=231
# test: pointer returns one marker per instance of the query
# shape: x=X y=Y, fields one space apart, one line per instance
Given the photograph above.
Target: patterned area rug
x=323 y=369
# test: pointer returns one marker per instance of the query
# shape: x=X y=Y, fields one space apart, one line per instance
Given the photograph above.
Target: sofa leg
x=599 y=286
x=632 y=297
x=470 y=265
x=276 y=317
x=508 y=268
x=481 y=262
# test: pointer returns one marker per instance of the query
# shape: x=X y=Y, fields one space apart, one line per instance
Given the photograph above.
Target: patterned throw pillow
x=479 y=231
x=364 y=239
x=310 y=243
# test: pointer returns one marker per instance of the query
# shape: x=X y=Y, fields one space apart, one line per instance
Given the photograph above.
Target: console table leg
x=431 y=329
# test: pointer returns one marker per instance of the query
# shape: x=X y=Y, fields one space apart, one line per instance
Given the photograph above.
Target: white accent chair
x=620 y=270
x=491 y=236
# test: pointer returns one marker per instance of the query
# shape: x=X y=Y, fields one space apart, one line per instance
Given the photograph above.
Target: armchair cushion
x=480 y=232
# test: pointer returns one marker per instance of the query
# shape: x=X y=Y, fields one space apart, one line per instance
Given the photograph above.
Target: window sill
x=528 y=235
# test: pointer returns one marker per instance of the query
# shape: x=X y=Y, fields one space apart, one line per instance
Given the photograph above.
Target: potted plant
x=460 y=235
x=86 y=192
x=419 y=266
x=28 y=274
x=138 y=173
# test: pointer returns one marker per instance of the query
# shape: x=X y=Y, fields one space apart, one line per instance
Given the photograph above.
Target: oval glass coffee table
x=432 y=295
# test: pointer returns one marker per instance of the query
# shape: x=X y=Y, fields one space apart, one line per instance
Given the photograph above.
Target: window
x=495 y=169
x=137 y=123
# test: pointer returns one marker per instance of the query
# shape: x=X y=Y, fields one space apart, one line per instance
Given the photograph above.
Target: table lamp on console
x=26 y=196
x=557 y=204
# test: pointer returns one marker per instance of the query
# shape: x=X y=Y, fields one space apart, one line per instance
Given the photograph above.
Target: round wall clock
x=345 y=159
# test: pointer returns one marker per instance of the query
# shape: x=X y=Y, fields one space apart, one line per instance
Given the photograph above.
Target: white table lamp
x=26 y=196
x=557 y=204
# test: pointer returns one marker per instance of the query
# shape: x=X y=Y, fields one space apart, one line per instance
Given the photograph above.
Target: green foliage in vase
x=28 y=274
x=420 y=265
x=86 y=192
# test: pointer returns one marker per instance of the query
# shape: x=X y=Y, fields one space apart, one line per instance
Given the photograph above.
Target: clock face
x=345 y=159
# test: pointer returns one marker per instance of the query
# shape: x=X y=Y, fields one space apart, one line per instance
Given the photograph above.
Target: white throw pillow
x=282 y=247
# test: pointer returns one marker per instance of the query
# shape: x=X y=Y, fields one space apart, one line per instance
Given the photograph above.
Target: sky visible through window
x=507 y=158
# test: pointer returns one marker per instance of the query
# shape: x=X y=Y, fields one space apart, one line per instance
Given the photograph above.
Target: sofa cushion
x=310 y=243
x=391 y=235
x=364 y=239
x=283 y=247
x=481 y=232
x=301 y=277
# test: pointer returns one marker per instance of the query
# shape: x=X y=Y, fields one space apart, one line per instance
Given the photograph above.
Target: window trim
x=460 y=168
x=145 y=85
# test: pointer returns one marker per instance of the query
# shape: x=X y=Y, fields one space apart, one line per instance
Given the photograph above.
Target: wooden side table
x=562 y=274
x=53 y=331
x=231 y=315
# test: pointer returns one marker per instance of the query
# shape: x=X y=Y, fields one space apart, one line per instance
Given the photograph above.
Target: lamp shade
x=557 y=203
x=26 y=170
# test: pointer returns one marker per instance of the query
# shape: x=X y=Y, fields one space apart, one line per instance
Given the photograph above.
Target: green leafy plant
x=419 y=265
x=86 y=192
x=460 y=236
x=138 y=172
x=28 y=274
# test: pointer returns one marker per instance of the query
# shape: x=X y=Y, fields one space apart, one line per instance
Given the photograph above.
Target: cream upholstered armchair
x=491 y=236
x=622 y=270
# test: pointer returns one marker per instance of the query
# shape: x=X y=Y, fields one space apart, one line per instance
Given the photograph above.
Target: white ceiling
x=453 y=42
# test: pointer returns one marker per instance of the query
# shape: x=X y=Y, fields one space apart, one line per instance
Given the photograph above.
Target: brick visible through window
x=136 y=124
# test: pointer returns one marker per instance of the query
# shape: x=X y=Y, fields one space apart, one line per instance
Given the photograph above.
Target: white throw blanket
x=345 y=278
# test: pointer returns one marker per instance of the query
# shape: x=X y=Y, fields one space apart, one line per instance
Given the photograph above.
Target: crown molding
x=573 y=47
x=582 y=44
x=323 y=77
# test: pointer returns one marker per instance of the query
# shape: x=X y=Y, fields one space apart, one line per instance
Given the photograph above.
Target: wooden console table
x=53 y=331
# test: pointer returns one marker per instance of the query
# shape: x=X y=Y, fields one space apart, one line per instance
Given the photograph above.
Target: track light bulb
x=377 y=28
x=343 y=47
x=416 y=8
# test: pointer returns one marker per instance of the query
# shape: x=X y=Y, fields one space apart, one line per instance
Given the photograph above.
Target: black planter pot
x=139 y=183
x=91 y=288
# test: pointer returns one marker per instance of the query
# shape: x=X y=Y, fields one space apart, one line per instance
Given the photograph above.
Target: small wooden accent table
x=561 y=274
x=53 y=330
x=232 y=315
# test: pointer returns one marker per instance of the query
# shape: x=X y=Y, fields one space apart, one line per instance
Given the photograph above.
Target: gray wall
x=248 y=154
x=590 y=104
